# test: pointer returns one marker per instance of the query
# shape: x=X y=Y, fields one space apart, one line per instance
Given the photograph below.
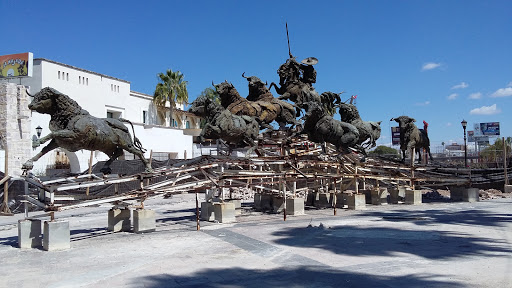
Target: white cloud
x=430 y=66
x=509 y=84
x=453 y=96
x=448 y=124
x=486 y=110
x=502 y=92
x=462 y=85
x=477 y=95
x=423 y=103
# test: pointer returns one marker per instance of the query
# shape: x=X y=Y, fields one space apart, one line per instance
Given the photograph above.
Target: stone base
x=310 y=198
x=341 y=199
x=413 y=197
x=237 y=202
x=356 y=202
x=295 y=206
x=379 y=196
x=144 y=221
x=393 y=196
x=463 y=194
x=56 y=235
x=323 y=200
x=507 y=188
x=224 y=212
x=266 y=202
x=119 y=220
x=30 y=234
x=277 y=204
x=207 y=213
x=367 y=195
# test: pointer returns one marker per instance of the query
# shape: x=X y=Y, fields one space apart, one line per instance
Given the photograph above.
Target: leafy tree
x=385 y=150
x=211 y=94
x=494 y=152
x=172 y=88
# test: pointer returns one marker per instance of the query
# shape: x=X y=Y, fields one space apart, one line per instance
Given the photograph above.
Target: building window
x=67 y=76
x=79 y=80
x=145 y=117
x=59 y=74
x=187 y=125
x=110 y=115
x=114 y=114
x=87 y=81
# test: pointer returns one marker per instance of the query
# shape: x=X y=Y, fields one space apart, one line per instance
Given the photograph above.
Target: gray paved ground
x=430 y=245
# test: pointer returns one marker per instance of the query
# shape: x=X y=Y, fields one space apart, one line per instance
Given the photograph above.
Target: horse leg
x=30 y=163
x=106 y=168
x=139 y=154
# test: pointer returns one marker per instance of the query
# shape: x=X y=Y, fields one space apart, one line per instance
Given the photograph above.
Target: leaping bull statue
x=412 y=137
x=73 y=129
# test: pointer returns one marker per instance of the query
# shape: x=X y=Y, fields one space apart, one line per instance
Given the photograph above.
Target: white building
x=106 y=96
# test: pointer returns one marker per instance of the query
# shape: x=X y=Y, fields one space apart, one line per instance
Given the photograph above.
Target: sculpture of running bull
x=73 y=129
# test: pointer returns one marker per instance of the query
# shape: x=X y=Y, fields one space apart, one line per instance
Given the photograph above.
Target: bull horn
x=266 y=83
x=26 y=91
x=243 y=75
x=213 y=84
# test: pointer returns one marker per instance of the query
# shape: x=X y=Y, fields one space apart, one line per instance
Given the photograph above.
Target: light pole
x=464 y=124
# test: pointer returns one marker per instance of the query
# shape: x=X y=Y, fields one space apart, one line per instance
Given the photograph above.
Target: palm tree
x=171 y=88
x=211 y=94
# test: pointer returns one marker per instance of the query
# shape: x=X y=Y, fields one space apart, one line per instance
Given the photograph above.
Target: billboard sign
x=490 y=129
x=16 y=65
x=471 y=136
x=482 y=140
x=395 y=135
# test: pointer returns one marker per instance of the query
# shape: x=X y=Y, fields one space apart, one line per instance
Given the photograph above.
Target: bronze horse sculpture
x=368 y=130
x=236 y=130
x=73 y=129
x=264 y=112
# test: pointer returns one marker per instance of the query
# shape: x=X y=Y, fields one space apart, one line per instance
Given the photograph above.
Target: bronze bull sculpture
x=73 y=129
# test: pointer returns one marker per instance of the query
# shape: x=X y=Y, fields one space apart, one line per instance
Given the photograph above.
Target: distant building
x=166 y=135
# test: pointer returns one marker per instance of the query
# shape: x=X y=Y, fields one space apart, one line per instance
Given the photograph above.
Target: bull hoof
x=27 y=165
x=106 y=170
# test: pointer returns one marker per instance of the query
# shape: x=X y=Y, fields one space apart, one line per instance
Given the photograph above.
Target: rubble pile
x=435 y=195
x=492 y=194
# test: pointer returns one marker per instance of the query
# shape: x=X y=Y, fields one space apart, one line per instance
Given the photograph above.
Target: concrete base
x=144 y=221
x=464 y=194
x=257 y=201
x=277 y=204
x=238 y=205
x=341 y=199
x=413 y=197
x=30 y=234
x=224 y=212
x=401 y=191
x=295 y=206
x=207 y=213
x=310 y=198
x=393 y=196
x=266 y=202
x=56 y=235
x=379 y=196
x=323 y=200
x=367 y=195
x=119 y=220
x=356 y=201
x=507 y=189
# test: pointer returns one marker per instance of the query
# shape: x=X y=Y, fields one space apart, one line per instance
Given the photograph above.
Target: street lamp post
x=464 y=124
x=38 y=131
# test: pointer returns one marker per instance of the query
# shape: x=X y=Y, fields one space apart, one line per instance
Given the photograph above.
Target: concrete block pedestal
x=323 y=200
x=379 y=196
x=277 y=204
x=119 y=220
x=413 y=197
x=507 y=188
x=367 y=195
x=224 y=212
x=257 y=201
x=356 y=201
x=207 y=213
x=393 y=196
x=56 y=235
x=29 y=234
x=238 y=205
x=295 y=206
x=144 y=221
x=464 y=194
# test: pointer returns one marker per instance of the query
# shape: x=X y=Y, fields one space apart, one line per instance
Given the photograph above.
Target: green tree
x=384 y=150
x=172 y=88
x=494 y=152
x=211 y=94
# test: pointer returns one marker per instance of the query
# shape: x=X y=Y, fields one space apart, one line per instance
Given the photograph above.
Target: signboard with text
x=395 y=135
x=471 y=136
x=487 y=129
x=16 y=65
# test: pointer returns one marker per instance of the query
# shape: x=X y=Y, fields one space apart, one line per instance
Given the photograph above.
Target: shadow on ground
x=291 y=277
x=434 y=217
x=371 y=241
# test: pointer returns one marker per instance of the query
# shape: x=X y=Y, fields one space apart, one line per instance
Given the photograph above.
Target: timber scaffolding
x=299 y=167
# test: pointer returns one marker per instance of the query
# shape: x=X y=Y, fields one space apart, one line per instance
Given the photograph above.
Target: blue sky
x=438 y=61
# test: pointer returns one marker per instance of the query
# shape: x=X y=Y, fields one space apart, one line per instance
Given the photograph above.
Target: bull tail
x=136 y=141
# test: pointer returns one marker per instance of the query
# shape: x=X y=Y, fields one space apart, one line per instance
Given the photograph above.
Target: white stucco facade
x=105 y=96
